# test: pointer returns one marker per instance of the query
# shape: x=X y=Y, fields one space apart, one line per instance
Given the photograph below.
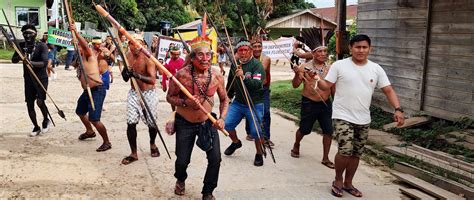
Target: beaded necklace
x=208 y=82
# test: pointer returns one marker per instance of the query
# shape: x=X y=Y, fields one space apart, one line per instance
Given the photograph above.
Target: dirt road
x=57 y=165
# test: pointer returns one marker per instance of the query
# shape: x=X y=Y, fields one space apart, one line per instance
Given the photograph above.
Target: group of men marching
x=350 y=82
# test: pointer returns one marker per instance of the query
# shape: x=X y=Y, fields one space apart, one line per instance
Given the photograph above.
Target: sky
x=328 y=3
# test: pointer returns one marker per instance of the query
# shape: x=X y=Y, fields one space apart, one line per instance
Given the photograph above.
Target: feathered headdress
x=201 y=40
x=313 y=38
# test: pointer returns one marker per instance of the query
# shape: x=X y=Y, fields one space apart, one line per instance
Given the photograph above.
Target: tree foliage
x=332 y=42
x=254 y=14
x=146 y=14
x=124 y=11
x=155 y=11
x=286 y=7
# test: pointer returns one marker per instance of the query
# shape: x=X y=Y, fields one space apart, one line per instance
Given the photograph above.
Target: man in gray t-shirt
x=355 y=79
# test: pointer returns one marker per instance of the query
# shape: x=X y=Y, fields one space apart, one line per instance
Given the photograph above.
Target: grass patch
x=6 y=54
x=285 y=97
x=288 y=99
x=427 y=136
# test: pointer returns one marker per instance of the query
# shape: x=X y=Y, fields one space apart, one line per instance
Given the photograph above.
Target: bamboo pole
x=122 y=30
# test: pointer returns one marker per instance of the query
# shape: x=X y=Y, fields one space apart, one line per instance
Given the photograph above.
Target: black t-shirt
x=37 y=53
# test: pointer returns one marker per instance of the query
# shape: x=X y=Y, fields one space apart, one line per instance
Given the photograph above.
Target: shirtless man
x=203 y=82
x=314 y=106
x=124 y=47
x=109 y=45
x=92 y=66
x=144 y=71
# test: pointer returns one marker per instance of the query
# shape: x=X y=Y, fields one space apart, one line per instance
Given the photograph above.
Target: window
x=27 y=16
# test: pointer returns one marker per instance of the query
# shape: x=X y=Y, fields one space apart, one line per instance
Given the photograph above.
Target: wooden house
x=427 y=49
x=293 y=23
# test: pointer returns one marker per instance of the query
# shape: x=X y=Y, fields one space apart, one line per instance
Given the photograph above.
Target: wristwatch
x=399 y=109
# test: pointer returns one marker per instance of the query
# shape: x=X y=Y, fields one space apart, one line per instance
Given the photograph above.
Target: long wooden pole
x=244 y=88
x=148 y=54
x=143 y=103
x=74 y=42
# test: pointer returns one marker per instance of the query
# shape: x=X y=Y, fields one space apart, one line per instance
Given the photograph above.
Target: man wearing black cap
x=37 y=53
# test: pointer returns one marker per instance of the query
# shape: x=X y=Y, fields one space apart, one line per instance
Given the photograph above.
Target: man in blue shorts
x=84 y=106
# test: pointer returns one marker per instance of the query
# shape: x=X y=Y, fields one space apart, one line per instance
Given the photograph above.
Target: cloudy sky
x=328 y=3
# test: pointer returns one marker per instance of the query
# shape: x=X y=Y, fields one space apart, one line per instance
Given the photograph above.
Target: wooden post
x=341 y=27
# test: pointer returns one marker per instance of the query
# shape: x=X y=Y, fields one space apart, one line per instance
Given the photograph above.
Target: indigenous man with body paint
x=315 y=103
x=257 y=48
x=253 y=75
x=203 y=82
x=144 y=71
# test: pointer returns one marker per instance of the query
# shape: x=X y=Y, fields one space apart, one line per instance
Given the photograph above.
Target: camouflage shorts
x=350 y=137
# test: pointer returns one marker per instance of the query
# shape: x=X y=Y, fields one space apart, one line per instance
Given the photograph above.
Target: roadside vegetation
x=6 y=54
x=288 y=99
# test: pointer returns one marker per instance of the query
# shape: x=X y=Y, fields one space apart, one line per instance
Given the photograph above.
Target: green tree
x=332 y=42
x=157 y=10
x=254 y=15
x=230 y=12
x=286 y=7
x=124 y=11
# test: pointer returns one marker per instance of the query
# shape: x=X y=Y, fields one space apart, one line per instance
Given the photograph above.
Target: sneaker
x=258 y=160
x=231 y=149
x=55 y=76
x=46 y=125
x=36 y=131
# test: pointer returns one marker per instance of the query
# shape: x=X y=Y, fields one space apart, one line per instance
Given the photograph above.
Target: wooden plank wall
x=450 y=72
x=398 y=36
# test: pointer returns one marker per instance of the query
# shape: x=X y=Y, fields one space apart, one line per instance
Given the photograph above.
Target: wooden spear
x=74 y=42
x=122 y=30
x=30 y=67
x=145 y=108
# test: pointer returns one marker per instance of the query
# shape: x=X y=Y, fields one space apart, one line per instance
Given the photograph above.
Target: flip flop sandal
x=335 y=191
x=155 y=152
x=328 y=164
x=86 y=135
x=249 y=138
x=353 y=191
x=129 y=159
x=295 y=154
x=104 y=147
x=179 y=188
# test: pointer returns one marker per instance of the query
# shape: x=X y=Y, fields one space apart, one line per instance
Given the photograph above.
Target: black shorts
x=34 y=91
x=312 y=111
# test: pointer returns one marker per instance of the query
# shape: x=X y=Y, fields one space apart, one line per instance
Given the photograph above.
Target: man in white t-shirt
x=355 y=79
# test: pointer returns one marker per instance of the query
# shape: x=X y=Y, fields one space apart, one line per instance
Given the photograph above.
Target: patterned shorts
x=350 y=137
x=135 y=109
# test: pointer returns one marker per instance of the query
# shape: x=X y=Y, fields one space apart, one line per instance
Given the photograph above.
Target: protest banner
x=163 y=47
x=285 y=46
x=63 y=38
